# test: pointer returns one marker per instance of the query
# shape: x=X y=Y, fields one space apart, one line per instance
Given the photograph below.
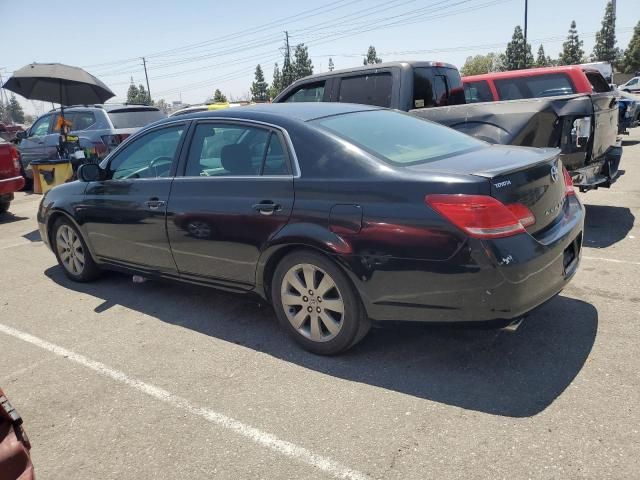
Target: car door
x=235 y=193
x=123 y=216
x=33 y=147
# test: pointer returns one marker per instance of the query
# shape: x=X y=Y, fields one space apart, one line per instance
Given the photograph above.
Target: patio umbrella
x=58 y=83
x=55 y=82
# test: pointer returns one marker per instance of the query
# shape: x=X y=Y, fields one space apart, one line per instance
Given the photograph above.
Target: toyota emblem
x=554 y=173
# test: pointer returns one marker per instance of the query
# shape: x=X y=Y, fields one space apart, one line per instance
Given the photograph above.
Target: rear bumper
x=10 y=185
x=500 y=279
x=602 y=172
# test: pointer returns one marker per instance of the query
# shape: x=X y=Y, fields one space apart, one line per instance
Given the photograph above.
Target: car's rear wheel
x=72 y=252
x=317 y=304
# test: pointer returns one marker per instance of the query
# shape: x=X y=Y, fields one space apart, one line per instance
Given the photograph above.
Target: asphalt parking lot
x=119 y=380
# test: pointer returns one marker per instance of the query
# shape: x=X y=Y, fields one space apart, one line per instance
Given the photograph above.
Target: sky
x=193 y=47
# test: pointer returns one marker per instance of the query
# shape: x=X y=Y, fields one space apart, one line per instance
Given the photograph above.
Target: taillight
x=15 y=157
x=568 y=182
x=482 y=216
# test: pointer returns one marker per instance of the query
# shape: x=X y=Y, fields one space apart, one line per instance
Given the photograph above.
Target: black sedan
x=337 y=214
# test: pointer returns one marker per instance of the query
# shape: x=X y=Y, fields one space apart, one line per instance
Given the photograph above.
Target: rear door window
x=307 y=93
x=435 y=87
x=370 y=89
x=476 y=92
x=548 y=85
x=597 y=81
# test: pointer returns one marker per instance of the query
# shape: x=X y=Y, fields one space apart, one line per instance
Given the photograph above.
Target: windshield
x=134 y=118
x=398 y=138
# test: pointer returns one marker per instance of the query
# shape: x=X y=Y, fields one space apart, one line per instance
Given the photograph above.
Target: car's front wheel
x=317 y=304
x=72 y=252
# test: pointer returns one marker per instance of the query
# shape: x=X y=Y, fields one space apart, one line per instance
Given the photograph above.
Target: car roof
x=375 y=66
x=302 y=111
x=530 y=72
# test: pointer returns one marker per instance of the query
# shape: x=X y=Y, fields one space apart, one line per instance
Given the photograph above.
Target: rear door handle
x=154 y=204
x=267 y=207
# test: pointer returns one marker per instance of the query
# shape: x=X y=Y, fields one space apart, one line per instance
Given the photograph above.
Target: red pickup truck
x=10 y=178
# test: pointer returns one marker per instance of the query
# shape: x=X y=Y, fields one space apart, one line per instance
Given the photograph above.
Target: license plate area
x=570 y=256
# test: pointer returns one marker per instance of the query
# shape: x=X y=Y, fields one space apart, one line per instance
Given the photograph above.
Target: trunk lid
x=529 y=176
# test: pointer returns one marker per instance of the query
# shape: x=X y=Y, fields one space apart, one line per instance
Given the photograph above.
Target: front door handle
x=267 y=207
x=154 y=204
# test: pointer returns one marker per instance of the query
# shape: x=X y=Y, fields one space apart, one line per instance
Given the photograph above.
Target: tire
x=4 y=207
x=303 y=311
x=72 y=253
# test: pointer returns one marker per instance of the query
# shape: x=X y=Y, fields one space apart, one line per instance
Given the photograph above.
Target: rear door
x=605 y=111
x=123 y=216
x=236 y=192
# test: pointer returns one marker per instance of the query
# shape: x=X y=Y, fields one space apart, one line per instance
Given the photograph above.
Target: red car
x=533 y=83
x=10 y=178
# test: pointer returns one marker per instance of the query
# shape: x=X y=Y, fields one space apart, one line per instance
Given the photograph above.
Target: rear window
x=373 y=89
x=475 y=92
x=549 y=85
x=435 y=87
x=597 y=81
x=134 y=118
x=398 y=138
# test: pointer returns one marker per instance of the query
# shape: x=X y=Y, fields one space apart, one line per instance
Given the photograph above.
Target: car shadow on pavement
x=606 y=225
x=515 y=374
x=9 y=217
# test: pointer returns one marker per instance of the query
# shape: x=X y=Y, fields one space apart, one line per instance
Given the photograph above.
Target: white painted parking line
x=613 y=260
x=265 y=439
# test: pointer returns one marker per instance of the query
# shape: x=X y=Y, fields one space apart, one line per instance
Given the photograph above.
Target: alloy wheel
x=312 y=302
x=70 y=250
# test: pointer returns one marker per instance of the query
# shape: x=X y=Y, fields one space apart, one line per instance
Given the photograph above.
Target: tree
x=302 y=65
x=572 y=51
x=480 y=64
x=143 y=96
x=133 y=93
x=15 y=110
x=605 y=48
x=288 y=75
x=331 y=67
x=218 y=97
x=259 y=88
x=162 y=105
x=518 y=53
x=631 y=59
x=276 y=82
x=3 y=111
x=372 y=56
x=542 y=60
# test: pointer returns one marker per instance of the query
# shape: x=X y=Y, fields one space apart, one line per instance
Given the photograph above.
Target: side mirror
x=89 y=172
x=21 y=135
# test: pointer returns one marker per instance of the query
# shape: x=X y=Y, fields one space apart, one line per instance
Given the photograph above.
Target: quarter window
x=308 y=93
x=149 y=156
x=221 y=150
x=597 y=81
x=435 y=87
x=372 y=89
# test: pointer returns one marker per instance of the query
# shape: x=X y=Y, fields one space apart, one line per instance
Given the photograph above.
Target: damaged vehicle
x=584 y=126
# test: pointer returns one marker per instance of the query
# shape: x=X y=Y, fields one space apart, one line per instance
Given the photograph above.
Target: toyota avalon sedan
x=337 y=214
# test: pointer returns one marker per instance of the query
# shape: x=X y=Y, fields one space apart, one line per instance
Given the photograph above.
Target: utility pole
x=286 y=65
x=144 y=63
x=526 y=9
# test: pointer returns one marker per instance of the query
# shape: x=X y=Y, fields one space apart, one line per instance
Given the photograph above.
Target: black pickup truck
x=583 y=126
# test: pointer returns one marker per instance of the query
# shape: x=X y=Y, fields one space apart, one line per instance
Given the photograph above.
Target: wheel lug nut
x=310 y=292
x=309 y=309
x=305 y=299
x=319 y=299
x=318 y=310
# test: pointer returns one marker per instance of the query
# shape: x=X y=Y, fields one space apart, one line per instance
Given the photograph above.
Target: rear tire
x=72 y=253
x=317 y=304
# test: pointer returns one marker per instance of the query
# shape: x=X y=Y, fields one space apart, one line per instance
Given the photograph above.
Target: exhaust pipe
x=514 y=325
